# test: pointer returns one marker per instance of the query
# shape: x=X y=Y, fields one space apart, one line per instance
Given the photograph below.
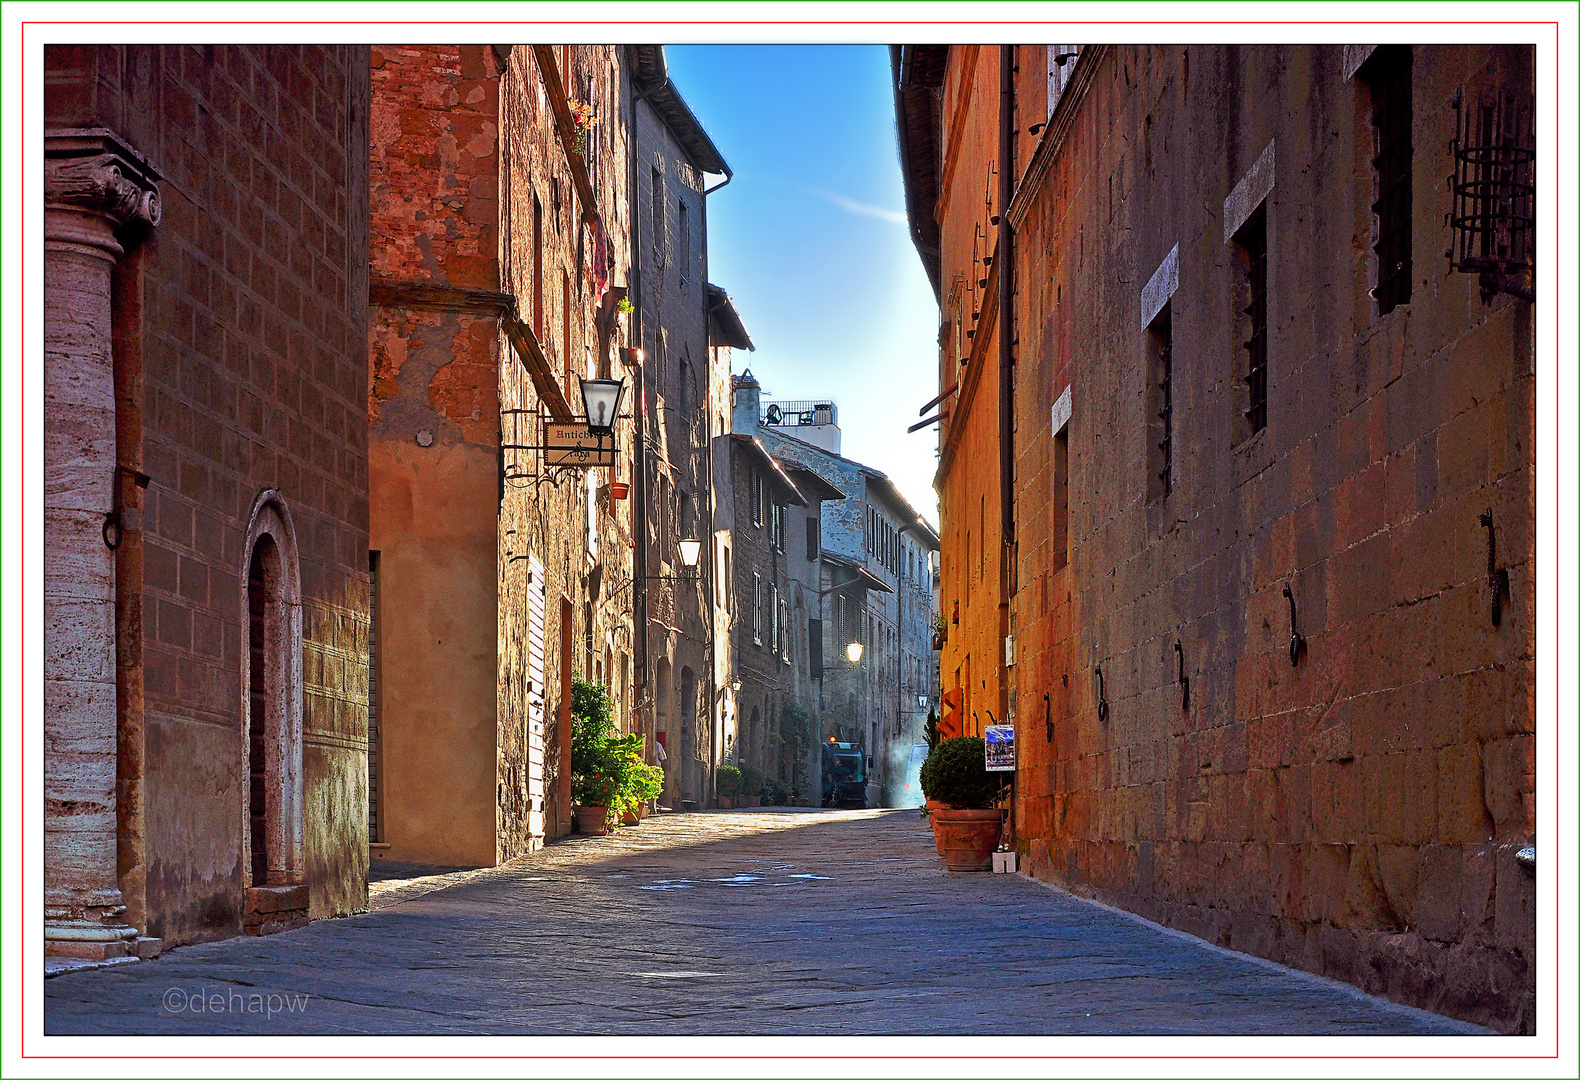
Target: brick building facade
x=206 y=492
x=683 y=700
x=1247 y=399
x=499 y=187
x=874 y=571
x=774 y=587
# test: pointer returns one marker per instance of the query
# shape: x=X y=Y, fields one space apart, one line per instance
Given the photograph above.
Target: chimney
x=745 y=403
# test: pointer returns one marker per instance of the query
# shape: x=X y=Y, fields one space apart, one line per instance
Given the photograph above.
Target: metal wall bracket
x=1297 y=643
x=1497 y=580
x=1184 y=680
x=1102 y=695
x=1047 y=715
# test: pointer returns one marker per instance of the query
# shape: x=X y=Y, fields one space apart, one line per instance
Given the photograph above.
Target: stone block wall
x=581 y=535
x=239 y=346
x=1357 y=813
x=678 y=376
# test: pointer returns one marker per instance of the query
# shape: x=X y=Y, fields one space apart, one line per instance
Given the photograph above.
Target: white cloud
x=858 y=207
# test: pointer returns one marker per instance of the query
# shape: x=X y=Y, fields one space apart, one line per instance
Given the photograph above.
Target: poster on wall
x=998 y=740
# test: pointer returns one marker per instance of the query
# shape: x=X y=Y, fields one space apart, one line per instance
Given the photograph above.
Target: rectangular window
x=757 y=498
x=1160 y=392
x=784 y=631
x=683 y=244
x=779 y=527
x=1387 y=73
x=537 y=268
x=658 y=210
x=1251 y=260
x=776 y=640
x=565 y=332
x=812 y=551
x=757 y=609
x=1059 y=507
x=814 y=647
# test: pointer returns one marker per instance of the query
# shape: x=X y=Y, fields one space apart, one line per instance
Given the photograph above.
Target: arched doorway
x=688 y=735
x=272 y=708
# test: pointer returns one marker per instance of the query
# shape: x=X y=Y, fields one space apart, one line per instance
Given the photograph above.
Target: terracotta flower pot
x=726 y=802
x=933 y=806
x=592 y=820
x=619 y=489
x=966 y=838
x=630 y=817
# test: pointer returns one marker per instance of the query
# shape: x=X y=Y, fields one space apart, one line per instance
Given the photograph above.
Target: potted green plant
x=601 y=761
x=751 y=786
x=729 y=785
x=967 y=826
x=774 y=792
x=643 y=784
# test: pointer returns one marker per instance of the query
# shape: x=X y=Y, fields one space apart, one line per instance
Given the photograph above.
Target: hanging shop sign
x=573 y=445
x=998 y=741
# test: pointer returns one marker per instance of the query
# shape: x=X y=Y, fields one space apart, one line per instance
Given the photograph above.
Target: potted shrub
x=751 y=787
x=967 y=826
x=774 y=792
x=644 y=783
x=608 y=776
x=729 y=784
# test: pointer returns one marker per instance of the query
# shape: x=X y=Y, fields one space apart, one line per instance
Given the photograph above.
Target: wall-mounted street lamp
x=690 y=552
x=853 y=652
x=601 y=398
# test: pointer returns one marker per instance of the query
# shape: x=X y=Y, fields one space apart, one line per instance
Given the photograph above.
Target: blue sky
x=810 y=240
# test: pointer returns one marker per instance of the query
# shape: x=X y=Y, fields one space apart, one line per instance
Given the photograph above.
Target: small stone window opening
x=658 y=213
x=1387 y=74
x=1160 y=346
x=1251 y=262
x=1060 y=502
x=683 y=244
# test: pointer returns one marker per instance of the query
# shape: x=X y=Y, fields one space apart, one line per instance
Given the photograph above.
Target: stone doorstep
x=87 y=950
x=264 y=899
x=58 y=961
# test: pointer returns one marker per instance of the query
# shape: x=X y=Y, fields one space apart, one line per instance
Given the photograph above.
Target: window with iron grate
x=1251 y=261
x=1387 y=74
x=1160 y=343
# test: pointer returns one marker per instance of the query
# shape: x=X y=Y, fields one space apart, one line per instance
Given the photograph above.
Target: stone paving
x=764 y=922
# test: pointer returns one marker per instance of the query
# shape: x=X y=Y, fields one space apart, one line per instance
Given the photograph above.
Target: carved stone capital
x=92 y=170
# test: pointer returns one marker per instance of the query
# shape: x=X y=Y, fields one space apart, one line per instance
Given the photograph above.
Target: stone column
x=93 y=186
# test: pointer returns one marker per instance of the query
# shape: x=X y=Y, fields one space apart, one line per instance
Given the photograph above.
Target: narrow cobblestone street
x=755 y=922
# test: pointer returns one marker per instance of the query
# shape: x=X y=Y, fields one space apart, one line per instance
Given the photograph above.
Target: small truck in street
x=844 y=775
